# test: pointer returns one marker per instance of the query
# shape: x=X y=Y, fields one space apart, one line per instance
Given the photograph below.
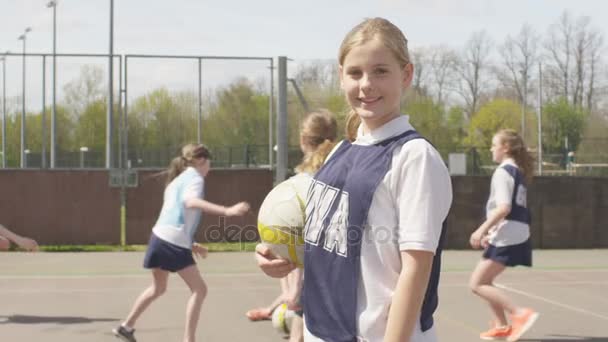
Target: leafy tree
x=90 y=129
x=428 y=119
x=491 y=117
x=456 y=126
x=562 y=121
x=238 y=117
x=158 y=126
x=87 y=88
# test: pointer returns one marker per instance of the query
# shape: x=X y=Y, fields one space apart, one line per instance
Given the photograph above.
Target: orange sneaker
x=496 y=333
x=521 y=323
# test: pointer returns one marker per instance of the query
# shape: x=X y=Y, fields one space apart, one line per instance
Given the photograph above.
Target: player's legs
x=481 y=283
x=4 y=244
x=195 y=282
x=296 y=332
x=265 y=313
x=158 y=287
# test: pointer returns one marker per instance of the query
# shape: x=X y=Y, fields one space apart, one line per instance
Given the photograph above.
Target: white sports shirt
x=176 y=223
x=406 y=213
x=506 y=232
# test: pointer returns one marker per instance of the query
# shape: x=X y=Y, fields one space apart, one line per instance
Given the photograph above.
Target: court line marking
x=539 y=282
x=175 y=290
x=535 y=270
x=546 y=300
x=124 y=275
x=136 y=274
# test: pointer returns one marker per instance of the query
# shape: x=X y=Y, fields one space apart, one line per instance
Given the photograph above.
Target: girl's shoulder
x=508 y=166
x=189 y=175
x=419 y=154
x=419 y=148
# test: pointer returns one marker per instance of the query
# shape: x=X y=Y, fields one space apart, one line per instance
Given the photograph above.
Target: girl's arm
x=409 y=295
x=23 y=242
x=498 y=214
x=294 y=280
x=216 y=209
x=503 y=187
x=424 y=194
x=270 y=264
x=8 y=234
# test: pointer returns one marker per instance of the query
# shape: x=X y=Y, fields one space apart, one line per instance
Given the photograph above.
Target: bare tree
x=320 y=73
x=519 y=56
x=575 y=47
x=580 y=52
x=559 y=47
x=421 y=63
x=472 y=65
x=443 y=67
x=595 y=48
x=85 y=89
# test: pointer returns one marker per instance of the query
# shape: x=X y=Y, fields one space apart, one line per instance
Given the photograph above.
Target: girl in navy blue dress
x=505 y=235
x=172 y=245
x=376 y=209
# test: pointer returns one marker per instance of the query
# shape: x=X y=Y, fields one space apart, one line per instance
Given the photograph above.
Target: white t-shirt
x=406 y=213
x=506 y=232
x=189 y=184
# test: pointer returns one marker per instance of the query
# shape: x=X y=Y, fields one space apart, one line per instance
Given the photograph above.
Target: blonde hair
x=190 y=153
x=389 y=35
x=319 y=131
x=516 y=149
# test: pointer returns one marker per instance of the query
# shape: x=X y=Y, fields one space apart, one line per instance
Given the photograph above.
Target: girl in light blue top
x=172 y=241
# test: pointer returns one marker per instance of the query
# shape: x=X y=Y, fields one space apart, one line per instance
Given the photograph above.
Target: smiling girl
x=375 y=210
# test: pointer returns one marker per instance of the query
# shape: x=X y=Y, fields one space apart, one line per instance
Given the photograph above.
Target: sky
x=303 y=30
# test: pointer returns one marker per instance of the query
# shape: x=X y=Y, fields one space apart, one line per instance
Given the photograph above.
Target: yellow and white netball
x=282 y=216
x=282 y=318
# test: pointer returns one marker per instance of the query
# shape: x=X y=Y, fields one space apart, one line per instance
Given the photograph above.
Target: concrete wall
x=78 y=207
x=567 y=212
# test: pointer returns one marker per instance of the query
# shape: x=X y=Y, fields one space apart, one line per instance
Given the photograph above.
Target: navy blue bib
x=338 y=202
x=519 y=207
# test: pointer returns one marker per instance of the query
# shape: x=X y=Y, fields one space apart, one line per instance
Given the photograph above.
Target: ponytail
x=518 y=151
x=525 y=162
x=312 y=161
x=176 y=166
x=318 y=134
x=189 y=153
x=353 y=121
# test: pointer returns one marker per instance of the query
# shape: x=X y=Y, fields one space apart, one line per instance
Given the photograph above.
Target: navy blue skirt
x=167 y=256
x=520 y=254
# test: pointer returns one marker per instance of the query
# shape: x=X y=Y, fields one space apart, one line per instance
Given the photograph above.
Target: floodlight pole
x=53 y=4
x=43 y=124
x=4 y=111
x=270 y=116
x=282 y=144
x=200 y=102
x=110 y=115
x=540 y=119
x=23 y=38
x=524 y=98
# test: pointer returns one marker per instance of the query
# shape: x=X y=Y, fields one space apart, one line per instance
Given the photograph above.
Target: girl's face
x=373 y=81
x=202 y=165
x=499 y=150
